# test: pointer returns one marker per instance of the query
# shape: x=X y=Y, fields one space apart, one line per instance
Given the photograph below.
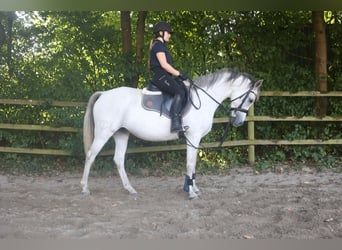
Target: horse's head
x=242 y=99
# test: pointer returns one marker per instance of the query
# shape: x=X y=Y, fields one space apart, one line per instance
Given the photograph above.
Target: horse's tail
x=88 y=122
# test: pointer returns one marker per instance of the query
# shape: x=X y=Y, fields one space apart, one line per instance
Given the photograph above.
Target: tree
x=6 y=30
x=126 y=32
x=139 y=43
x=320 y=60
x=127 y=44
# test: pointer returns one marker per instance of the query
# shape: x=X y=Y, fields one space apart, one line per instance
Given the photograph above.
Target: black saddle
x=154 y=99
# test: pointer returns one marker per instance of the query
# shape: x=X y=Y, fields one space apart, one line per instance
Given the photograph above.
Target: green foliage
x=221 y=160
x=66 y=56
x=20 y=164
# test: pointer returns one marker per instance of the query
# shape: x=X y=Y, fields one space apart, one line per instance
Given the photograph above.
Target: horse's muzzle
x=237 y=116
x=235 y=122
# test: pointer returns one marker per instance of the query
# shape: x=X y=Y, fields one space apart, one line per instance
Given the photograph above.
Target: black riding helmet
x=162 y=26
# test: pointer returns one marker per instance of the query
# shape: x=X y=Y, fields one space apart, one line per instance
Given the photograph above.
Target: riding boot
x=176 y=123
x=176 y=117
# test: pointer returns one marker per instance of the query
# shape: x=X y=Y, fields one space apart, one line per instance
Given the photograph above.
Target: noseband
x=244 y=96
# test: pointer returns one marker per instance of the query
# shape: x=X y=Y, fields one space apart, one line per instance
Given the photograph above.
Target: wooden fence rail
x=251 y=141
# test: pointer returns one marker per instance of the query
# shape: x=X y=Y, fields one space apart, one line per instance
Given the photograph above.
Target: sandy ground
x=239 y=205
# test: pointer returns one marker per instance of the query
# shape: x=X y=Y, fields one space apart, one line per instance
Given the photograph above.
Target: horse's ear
x=258 y=83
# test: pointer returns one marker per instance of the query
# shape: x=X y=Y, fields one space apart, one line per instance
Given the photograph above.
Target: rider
x=160 y=64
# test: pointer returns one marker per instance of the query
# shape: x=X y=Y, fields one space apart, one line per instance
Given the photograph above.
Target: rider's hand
x=183 y=77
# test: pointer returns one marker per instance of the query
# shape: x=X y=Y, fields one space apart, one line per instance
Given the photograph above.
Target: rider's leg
x=176 y=117
x=169 y=85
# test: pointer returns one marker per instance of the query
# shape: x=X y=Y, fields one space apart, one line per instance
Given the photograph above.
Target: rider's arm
x=165 y=65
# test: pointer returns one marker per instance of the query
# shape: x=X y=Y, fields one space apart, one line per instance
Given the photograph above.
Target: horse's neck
x=219 y=93
x=210 y=100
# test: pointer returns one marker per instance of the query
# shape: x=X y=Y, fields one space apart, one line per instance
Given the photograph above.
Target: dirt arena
x=239 y=205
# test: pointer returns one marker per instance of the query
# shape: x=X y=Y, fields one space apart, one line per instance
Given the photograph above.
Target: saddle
x=153 y=99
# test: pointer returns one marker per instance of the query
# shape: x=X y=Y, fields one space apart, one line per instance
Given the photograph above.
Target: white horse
x=118 y=112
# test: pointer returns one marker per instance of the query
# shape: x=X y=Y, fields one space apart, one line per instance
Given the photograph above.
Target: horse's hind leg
x=95 y=148
x=121 y=141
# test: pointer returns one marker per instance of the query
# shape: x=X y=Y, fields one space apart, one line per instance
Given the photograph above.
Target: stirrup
x=185 y=128
x=175 y=128
x=181 y=132
x=181 y=129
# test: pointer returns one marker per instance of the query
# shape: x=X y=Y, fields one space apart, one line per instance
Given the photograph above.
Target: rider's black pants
x=166 y=83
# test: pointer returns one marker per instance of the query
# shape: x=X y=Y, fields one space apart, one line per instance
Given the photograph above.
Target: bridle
x=239 y=108
x=244 y=96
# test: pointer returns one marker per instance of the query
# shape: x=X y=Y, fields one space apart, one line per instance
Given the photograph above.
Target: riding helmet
x=162 y=26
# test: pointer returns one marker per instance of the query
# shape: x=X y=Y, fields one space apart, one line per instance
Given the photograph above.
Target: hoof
x=195 y=197
x=134 y=196
x=85 y=192
x=130 y=189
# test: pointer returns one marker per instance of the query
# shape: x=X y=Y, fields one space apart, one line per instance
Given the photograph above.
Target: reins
x=226 y=130
x=196 y=87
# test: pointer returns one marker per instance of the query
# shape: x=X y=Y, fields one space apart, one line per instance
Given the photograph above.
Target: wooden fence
x=250 y=142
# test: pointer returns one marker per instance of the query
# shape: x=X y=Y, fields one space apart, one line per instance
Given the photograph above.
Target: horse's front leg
x=190 y=182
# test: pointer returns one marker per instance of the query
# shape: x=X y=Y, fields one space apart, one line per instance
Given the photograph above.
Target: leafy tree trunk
x=125 y=18
x=140 y=43
x=2 y=33
x=127 y=49
x=6 y=26
x=10 y=19
x=126 y=32
x=320 y=60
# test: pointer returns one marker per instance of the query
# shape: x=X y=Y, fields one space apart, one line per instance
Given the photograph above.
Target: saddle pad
x=156 y=101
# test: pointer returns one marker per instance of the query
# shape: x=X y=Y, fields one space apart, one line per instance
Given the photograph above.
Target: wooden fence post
x=251 y=147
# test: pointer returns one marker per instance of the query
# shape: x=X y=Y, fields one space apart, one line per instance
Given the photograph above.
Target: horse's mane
x=224 y=74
